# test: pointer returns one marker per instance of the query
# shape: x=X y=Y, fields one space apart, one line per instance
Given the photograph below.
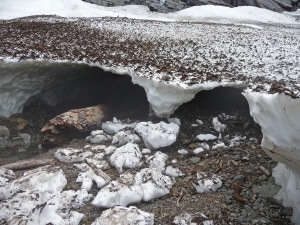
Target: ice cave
x=205 y=114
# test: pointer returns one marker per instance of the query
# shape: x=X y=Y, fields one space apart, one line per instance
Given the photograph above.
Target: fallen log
x=74 y=123
x=28 y=164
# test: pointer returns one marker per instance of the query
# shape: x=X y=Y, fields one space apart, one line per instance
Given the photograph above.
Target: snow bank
x=290 y=189
x=44 y=179
x=124 y=216
x=127 y=156
x=153 y=183
x=278 y=116
x=78 y=8
x=157 y=135
x=207 y=182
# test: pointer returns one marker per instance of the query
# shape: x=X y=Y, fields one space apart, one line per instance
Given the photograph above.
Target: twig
x=28 y=164
x=180 y=196
x=264 y=170
x=220 y=166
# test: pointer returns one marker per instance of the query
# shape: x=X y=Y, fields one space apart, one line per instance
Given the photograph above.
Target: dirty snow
x=173 y=172
x=186 y=219
x=70 y=155
x=207 y=182
x=158 y=161
x=112 y=127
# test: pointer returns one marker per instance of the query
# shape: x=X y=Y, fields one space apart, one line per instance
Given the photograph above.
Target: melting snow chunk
x=146 y=151
x=112 y=127
x=127 y=136
x=219 y=127
x=186 y=219
x=46 y=178
x=207 y=182
x=98 y=137
x=182 y=152
x=158 y=161
x=199 y=122
x=127 y=156
x=153 y=183
x=173 y=172
x=174 y=120
x=5 y=176
x=88 y=175
x=117 y=193
x=125 y=216
x=70 y=155
x=219 y=145
x=110 y=150
x=206 y=137
x=157 y=135
x=198 y=150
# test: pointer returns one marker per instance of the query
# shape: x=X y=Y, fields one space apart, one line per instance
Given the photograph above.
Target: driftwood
x=28 y=164
x=74 y=123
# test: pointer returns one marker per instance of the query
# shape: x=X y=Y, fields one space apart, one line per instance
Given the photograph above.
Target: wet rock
x=3 y=143
x=4 y=132
x=26 y=138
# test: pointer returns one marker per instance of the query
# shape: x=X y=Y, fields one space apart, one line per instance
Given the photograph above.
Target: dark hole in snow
x=221 y=99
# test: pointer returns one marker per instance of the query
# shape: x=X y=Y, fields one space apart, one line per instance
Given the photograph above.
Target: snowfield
x=172 y=59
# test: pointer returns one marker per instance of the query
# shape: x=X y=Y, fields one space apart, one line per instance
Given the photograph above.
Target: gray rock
x=248 y=208
x=3 y=143
x=239 y=178
x=269 y=4
x=4 y=132
x=268 y=190
x=26 y=138
x=194 y=160
x=286 y=4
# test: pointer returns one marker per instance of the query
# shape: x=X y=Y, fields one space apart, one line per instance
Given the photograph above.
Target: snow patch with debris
x=98 y=137
x=126 y=136
x=173 y=172
x=207 y=182
x=112 y=127
x=153 y=183
x=157 y=135
x=124 y=216
x=127 y=156
x=158 y=161
x=6 y=176
x=187 y=219
x=70 y=155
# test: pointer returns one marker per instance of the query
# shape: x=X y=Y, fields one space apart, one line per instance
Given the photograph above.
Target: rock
x=194 y=160
x=3 y=143
x=26 y=138
x=239 y=178
x=74 y=123
x=286 y=4
x=13 y=124
x=248 y=208
x=269 y=190
x=269 y=4
x=4 y=132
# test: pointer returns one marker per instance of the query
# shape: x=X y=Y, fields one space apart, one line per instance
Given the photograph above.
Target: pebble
x=248 y=208
x=239 y=178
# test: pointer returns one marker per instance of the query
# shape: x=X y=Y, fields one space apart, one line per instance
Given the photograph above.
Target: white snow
x=70 y=155
x=110 y=150
x=173 y=172
x=278 y=116
x=124 y=216
x=182 y=152
x=205 y=146
x=206 y=137
x=157 y=135
x=219 y=127
x=158 y=161
x=153 y=183
x=6 y=176
x=47 y=178
x=98 y=137
x=116 y=193
x=219 y=145
x=127 y=156
x=186 y=219
x=89 y=174
x=112 y=127
x=198 y=150
x=207 y=182
x=174 y=120
x=290 y=189
x=78 y=8
x=146 y=151
x=127 y=136
x=200 y=122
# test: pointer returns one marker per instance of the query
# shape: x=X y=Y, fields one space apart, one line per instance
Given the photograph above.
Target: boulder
x=74 y=123
x=270 y=4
